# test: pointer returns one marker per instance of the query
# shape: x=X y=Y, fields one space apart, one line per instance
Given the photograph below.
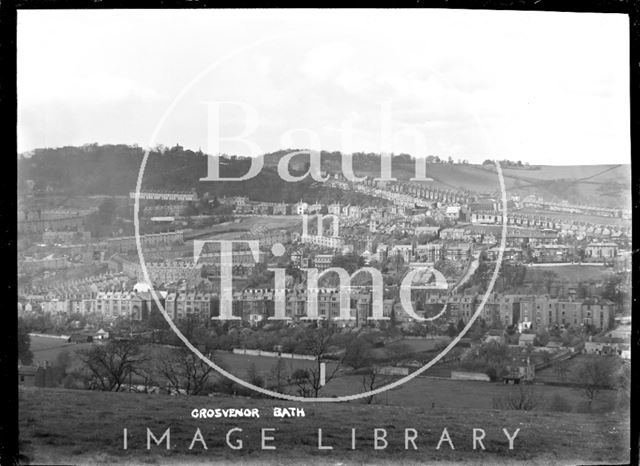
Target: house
x=494 y=335
x=509 y=254
x=605 y=346
x=315 y=208
x=600 y=252
x=621 y=331
x=302 y=208
x=452 y=212
x=335 y=209
x=101 y=335
x=457 y=251
x=453 y=234
x=27 y=375
x=322 y=261
x=523 y=371
x=550 y=253
x=526 y=339
x=381 y=252
x=430 y=252
x=554 y=344
x=427 y=230
x=403 y=250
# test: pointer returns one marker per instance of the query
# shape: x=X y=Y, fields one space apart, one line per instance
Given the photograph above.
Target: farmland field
x=60 y=426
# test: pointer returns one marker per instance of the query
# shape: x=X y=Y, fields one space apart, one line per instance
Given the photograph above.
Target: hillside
x=113 y=170
x=84 y=427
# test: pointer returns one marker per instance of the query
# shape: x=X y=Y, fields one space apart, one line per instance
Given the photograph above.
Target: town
x=330 y=268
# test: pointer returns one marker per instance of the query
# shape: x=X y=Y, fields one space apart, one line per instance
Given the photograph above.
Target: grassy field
x=550 y=374
x=81 y=427
x=419 y=392
x=239 y=364
x=48 y=349
x=425 y=391
x=422 y=344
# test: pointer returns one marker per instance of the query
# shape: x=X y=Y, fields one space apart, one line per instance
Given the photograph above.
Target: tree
x=184 y=370
x=549 y=277
x=369 y=365
x=107 y=211
x=561 y=370
x=278 y=376
x=25 y=356
x=109 y=365
x=522 y=398
x=304 y=381
x=622 y=383
x=594 y=375
x=322 y=342
x=350 y=262
x=317 y=343
x=393 y=320
x=612 y=290
x=253 y=377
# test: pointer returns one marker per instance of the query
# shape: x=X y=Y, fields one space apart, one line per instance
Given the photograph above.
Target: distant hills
x=113 y=170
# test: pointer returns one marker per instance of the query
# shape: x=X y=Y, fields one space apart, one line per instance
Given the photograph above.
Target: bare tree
x=522 y=398
x=185 y=371
x=623 y=383
x=593 y=376
x=324 y=343
x=110 y=365
x=278 y=377
x=561 y=370
x=361 y=357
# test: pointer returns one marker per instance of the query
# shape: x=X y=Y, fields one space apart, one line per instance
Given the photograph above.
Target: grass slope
x=81 y=427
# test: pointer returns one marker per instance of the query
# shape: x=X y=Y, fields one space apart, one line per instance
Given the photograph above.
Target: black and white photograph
x=323 y=237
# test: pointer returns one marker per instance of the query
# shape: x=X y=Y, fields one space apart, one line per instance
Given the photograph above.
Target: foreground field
x=419 y=392
x=82 y=427
x=446 y=393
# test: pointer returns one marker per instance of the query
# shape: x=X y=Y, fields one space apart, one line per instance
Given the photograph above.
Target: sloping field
x=48 y=348
x=607 y=185
x=82 y=427
x=597 y=173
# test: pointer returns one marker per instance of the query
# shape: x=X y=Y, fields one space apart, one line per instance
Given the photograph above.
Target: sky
x=540 y=87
